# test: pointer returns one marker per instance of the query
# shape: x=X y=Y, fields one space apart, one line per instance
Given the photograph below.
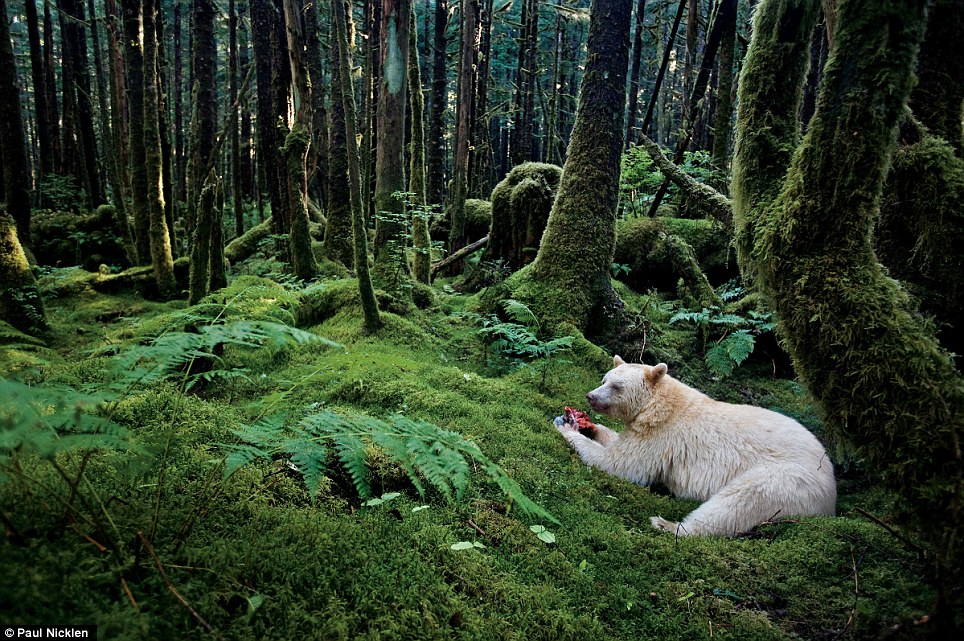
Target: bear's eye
x=617 y=387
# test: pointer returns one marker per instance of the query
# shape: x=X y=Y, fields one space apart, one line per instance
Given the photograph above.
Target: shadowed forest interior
x=292 y=290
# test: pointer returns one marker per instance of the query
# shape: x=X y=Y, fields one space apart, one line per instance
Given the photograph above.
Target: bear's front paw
x=667 y=526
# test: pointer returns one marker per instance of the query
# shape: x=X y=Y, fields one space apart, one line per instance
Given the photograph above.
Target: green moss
x=478 y=218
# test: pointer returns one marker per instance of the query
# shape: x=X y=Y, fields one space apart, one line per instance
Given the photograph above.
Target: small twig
x=173 y=590
x=130 y=595
x=475 y=527
x=900 y=537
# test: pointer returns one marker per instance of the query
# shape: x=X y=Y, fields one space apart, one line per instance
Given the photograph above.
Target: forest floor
x=256 y=556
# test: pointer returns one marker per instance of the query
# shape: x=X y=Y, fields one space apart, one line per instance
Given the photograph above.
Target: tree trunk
x=661 y=74
x=44 y=133
x=16 y=167
x=524 y=100
x=160 y=240
x=297 y=144
x=180 y=179
x=20 y=302
x=463 y=128
x=884 y=382
x=338 y=230
x=244 y=64
x=134 y=58
x=421 y=242
x=575 y=256
x=51 y=63
x=204 y=117
x=235 y=136
x=391 y=265
x=722 y=123
x=480 y=155
x=439 y=103
x=634 y=74
x=200 y=269
x=318 y=161
x=360 y=234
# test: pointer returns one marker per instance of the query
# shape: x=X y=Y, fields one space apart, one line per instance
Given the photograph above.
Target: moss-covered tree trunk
x=421 y=242
x=575 y=256
x=338 y=229
x=391 y=264
x=359 y=232
x=883 y=380
x=521 y=204
x=723 y=119
x=297 y=144
x=439 y=104
x=160 y=240
x=20 y=302
x=200 y=270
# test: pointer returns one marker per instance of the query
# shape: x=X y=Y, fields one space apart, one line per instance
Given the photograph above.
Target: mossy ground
x=257 y=558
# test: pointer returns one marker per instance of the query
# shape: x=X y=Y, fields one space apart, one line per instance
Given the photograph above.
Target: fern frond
x=309 y=456
x=349 y=447
x=520 y=312
x=240 y=455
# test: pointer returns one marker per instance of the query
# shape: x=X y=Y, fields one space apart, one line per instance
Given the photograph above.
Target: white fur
x=747 y=463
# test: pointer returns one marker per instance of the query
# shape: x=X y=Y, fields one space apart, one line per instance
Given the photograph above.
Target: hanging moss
x=20 y=302
x=920 y=233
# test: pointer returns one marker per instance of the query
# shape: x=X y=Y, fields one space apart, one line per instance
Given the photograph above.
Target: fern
x=49 y=420
x=430 y=455
x=729 y=353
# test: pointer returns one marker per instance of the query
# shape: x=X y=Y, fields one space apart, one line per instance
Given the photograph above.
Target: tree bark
x=134 y=58
x=421 y=242
x=391 y=265
x=634 y=73
x=44 y=133
x=722 y=123
x=460 y=179
x=359 y=233
x=297 y=144
x=338 y=230
x=438 y=105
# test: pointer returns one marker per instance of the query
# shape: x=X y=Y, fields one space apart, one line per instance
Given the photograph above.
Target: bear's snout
x=595 y=402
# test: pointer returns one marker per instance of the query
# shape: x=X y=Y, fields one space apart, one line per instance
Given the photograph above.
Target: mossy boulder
x=656 y=252
x=63 y=238
x=520 y=209
x=478 y=218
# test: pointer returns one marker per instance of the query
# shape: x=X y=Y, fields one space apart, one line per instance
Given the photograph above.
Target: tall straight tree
x=634 y=74
x=338 y=227
x=359 y=233
x=463 y=128
x=204 y=113
x=235 y=136
x=80 y=143
x=16 y=170
x=435 y=193
x=297 y=144
x=523 y=131
x=421 y=241
x=50 y=88
x=44 y=133
x=318 y=161
x=582 y=222
x=134 y=64
x=160 y=239
x=391 y=266
x=722 y=123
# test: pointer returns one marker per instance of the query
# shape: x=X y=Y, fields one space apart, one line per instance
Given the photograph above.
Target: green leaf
x=544 y=535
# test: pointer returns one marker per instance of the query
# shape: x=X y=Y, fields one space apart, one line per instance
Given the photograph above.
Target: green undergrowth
x=260 y=555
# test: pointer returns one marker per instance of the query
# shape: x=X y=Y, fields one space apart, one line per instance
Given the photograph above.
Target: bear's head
x=626 y=389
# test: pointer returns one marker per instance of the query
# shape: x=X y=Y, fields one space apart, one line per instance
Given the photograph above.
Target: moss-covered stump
x=20 y=302
x=661 y=251
x=62 y=238
x=478 y=218
x=920 y=232
x=141 y=279
x=520 y=209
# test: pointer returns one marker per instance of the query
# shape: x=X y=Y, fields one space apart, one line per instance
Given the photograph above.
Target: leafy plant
x=429 y=454
x=733 y=335
x=516 y=343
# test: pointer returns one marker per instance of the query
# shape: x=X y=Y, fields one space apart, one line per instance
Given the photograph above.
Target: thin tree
x=134 y=65
x=359 y=233
x=235 y=136
x=634 y=73
x=663 y=66
x=44 y=133
x=421 y=241
x=583 y=219
x=297 y=144
x=338 y=227
x=723 y=121
x=463 y=128
x=438 y=104
x=160 y=240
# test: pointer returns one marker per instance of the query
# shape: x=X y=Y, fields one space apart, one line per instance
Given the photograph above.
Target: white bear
x=747 y=463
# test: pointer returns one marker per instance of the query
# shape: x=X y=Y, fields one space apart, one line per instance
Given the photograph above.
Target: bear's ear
x=618 y=361
x=655 y=373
